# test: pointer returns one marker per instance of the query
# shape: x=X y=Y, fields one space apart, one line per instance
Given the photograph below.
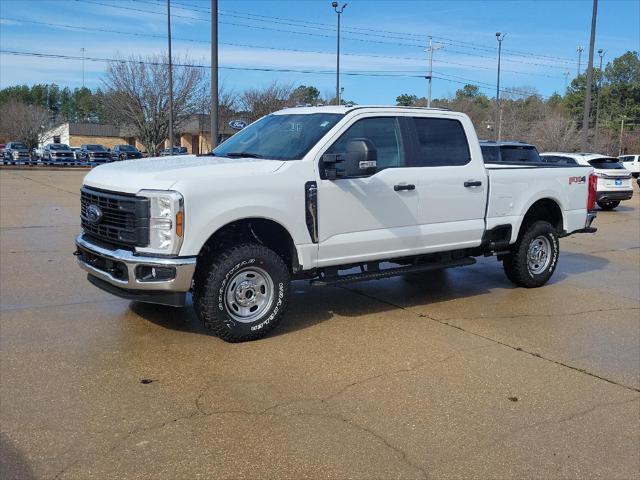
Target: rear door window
x=440 y=142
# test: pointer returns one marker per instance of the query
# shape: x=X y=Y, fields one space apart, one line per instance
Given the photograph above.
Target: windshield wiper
x=243 y=154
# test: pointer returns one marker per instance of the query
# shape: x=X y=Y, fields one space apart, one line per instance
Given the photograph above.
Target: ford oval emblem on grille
x=94 y=214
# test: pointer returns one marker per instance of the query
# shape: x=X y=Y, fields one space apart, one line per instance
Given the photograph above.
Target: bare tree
x=260 y=102
x=555 y=132
x=227 y=104
x=137 y=96
x=24 y=122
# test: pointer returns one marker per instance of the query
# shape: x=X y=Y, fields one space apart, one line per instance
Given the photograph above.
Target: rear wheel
x=534 y=257
x=609 y=205
x=242 y=293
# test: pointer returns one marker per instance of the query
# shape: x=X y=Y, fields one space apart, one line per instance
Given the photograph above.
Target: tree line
x=134 y=96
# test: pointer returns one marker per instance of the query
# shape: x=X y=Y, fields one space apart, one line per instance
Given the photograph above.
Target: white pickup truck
x=327 y=194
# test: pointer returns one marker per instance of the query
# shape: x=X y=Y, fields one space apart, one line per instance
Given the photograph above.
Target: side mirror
x=361 y=158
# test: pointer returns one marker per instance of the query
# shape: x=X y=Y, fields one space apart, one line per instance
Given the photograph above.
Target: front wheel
x=242 y=293
x=609 y=205
x=534 y=257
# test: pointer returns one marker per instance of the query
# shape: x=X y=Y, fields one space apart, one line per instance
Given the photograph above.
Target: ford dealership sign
x=237 y=124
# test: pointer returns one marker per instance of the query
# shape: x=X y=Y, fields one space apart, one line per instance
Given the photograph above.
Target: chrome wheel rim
x=539 y=255
x=249 y=294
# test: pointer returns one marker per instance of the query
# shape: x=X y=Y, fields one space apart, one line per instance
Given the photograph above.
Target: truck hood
x=161 y=173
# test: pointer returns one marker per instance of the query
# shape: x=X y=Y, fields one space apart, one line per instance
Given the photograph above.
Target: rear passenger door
x=451 y=186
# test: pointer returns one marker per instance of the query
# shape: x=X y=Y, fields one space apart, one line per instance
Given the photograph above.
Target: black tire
x=635 y=175
x=609 y=205
x=528 y=274
x=213 y=286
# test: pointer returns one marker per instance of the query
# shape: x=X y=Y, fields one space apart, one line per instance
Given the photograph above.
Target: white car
x=614 y=180
x=631 y=163
x=310 y=193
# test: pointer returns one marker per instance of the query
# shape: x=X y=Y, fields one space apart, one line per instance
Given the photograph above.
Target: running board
x=390 y=272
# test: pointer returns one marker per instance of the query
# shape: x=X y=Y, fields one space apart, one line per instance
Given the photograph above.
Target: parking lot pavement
x=448 y=375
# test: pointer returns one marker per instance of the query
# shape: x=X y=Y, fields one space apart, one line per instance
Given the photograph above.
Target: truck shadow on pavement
x=309 y=305
x=13 y=463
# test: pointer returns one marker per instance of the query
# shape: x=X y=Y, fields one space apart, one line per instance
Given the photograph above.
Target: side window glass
x=384 y=132
x=441 y=142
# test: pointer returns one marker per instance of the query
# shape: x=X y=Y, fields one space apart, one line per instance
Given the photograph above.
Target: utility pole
x=339 y=12
x=430 y=49
x=214 y=74
x=170 y=78
x=584 y=144
x=600 y=54
x=82 y=49
x=580 y=49
x=499 y=38
x=621 y=130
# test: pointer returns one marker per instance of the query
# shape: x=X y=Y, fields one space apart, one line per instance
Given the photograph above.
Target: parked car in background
x=125 y=152
x=2 y=148
x=614 y=181
x=36 y=153
x=174 y=151
x=15 y=151
x=76 y=152
x=508 y=152
x=631 y=163
x=94 y=153
x=57 y=152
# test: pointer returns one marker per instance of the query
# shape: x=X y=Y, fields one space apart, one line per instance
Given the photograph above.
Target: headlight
x=166 y=221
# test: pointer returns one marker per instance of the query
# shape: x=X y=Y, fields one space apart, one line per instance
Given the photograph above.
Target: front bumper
x=134 y=276
x=610 y=196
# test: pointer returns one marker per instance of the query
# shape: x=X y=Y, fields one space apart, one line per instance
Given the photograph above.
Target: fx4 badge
x=573 y=180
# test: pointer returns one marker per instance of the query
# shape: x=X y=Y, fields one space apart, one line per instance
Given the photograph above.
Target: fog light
x=145 y=273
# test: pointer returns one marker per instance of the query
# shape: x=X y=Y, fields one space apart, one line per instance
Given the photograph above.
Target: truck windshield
x=279 y=137
x=58 y=146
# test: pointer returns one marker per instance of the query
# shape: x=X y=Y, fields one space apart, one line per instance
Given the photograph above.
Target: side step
x=390 y=272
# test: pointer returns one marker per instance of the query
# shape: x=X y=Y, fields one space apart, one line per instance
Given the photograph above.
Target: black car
x=94 y=153
x=125 y=152
x=509 y=152
x=174 y=151
x=15 y=151
x=57 y=152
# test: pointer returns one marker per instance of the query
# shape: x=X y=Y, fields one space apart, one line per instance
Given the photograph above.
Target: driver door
x=369 y=217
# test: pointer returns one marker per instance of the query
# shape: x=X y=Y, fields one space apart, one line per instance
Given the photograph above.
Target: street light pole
x=430 y=49
x=600 y=54
x=339 y=12
x=499 y=38
x=584 y=143
x=621 y=131
x=214 y=74
x=170 y=78
x=82 y=66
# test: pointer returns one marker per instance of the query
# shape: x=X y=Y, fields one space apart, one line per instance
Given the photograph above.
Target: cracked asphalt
x=448 y=375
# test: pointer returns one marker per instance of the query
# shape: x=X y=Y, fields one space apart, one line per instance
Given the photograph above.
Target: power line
x=365 y=40
x=150 y=35
x=407 y=74
x=397 y=35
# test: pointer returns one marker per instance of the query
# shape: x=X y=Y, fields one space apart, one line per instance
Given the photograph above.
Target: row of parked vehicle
x=93 y=153
x=613 y=174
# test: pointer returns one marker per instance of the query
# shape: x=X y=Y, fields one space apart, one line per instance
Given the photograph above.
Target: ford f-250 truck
x=329 y=194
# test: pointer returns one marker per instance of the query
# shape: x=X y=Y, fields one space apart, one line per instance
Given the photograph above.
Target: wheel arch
x=266 y=231
x=547 y=209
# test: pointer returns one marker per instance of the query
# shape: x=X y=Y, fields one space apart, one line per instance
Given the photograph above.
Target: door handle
x=472 y=183
x=409 y=186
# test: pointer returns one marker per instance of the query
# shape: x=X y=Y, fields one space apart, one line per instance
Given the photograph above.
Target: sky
x=294 y=42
